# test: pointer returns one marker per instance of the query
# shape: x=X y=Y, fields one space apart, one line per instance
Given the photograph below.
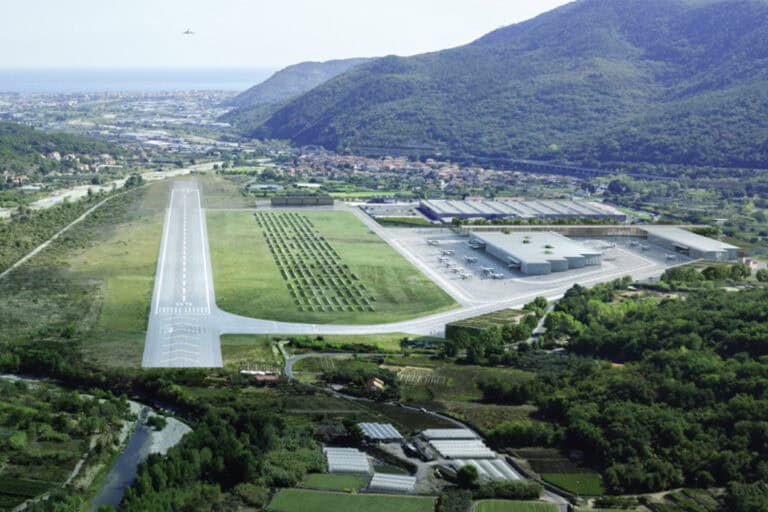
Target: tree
x=762 y=275
x=467 y=477
x=740 y=271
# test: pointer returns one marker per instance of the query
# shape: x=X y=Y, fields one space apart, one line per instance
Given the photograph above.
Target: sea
x=74 y=81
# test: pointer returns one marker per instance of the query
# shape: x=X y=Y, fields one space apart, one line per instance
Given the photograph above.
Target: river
x=143 y=441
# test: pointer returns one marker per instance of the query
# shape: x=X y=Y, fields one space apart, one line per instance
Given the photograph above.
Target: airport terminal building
x=535 y=253
x=445 y=210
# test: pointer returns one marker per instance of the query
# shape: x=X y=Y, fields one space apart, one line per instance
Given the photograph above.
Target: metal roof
x=532 y=246
x=347 y=460
x=521 y=209
x=380 y=431
x=392 y=483
x=491 y=469
x=689 y=239
x=449 y=433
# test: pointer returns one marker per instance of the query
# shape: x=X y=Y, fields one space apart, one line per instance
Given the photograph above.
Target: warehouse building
x=535 y=252
x=446 y=210
x=690 y=244
x=295 y=200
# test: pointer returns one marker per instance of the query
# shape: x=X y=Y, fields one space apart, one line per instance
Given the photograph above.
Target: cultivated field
x=329 y=482
x=583 y=484
x=315 y=267
x=514 y=506
x=294 y=500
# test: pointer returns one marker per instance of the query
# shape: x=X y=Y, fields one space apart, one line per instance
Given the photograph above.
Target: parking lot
x=480 y=278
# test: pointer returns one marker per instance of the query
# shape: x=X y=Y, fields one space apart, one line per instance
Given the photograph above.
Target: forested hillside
x=24 y=149
x=595 y=81
x=686 y=408
x=258 y=103
x=293 y=81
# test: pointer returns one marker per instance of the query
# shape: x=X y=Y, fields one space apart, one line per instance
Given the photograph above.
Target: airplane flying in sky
x=188 y=32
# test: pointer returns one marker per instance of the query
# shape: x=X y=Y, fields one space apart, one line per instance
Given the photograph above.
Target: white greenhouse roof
x=380 y=431
x=392 y=483
x=463 y=449
x=491 y=469
x=449 y=433
x=347 y=460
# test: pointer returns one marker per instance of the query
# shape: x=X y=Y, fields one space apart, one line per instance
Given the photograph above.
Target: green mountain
x=293 y=81
x=595 y=81
x=259 y=102
x=22 y=149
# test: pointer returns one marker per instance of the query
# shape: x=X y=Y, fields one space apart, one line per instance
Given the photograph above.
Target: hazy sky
x=241 y=33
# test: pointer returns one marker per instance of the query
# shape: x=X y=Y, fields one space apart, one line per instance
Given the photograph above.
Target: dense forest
x=24 y=149
x=688 y=406
x=656 y=81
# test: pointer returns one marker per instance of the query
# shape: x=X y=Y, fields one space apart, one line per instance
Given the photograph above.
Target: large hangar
x=536 y=252
x=446 y=210
x=691 y=244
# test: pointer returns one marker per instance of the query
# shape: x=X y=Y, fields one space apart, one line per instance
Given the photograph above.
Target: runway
x=185 y=324
x=180 y=333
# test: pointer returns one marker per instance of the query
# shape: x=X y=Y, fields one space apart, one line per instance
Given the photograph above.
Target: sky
x=241 y=33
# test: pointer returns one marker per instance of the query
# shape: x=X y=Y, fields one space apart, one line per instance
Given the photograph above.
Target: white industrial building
x=447 y=210
x=384 y=482
x=690 y=244
x=347 y=460
x=536 y=252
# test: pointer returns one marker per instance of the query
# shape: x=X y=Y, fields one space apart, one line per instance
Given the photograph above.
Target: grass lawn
x=514 y=506
x=329 y=482
x=295 y=500
x=245 y=348
x=249 y=283
x=583 y=484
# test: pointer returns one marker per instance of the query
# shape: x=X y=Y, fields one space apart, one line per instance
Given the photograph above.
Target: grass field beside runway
x=123 y=261
x=248 y=281
x=95 y=282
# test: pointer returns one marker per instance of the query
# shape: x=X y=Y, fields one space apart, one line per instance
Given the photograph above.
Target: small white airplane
x=188 y=32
